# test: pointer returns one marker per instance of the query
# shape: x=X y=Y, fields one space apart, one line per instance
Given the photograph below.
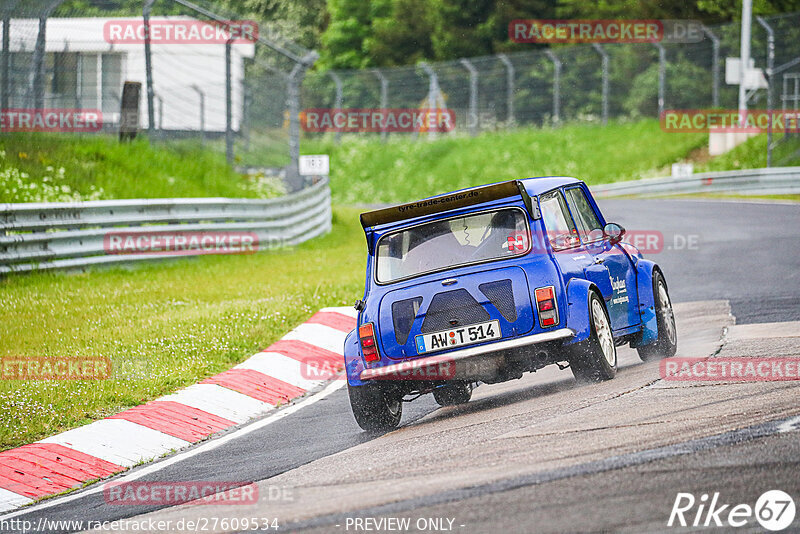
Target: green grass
x=365 y=171
x=163 y=325
x=752 y=154
x=59 y=167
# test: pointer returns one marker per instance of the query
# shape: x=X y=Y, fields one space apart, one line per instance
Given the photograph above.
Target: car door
x=609 y=262
x=560 y=230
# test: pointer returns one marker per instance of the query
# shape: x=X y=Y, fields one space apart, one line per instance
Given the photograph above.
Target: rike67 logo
x=774 y=511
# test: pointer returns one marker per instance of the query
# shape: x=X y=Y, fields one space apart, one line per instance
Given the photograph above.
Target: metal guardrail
x=42 y=236
x=769 y=181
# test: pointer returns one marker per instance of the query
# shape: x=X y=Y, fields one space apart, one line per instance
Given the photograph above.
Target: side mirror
x=613 y=232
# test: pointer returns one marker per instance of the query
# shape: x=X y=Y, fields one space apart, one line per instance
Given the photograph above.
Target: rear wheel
x=595 y=359
x=452 y=394
x=667 y=342
x=375 y=406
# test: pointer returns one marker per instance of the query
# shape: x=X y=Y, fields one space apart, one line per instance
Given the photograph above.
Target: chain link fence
x=573 y=83
x=245 y=96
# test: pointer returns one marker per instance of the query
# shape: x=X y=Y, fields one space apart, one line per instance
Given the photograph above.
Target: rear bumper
x=432 y=366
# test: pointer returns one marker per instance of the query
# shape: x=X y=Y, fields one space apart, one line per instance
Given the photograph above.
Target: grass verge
x=364 y=170
x=36 y=167
x=164 y=325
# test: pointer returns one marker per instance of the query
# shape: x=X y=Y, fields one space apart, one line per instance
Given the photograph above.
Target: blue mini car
x=484 y=284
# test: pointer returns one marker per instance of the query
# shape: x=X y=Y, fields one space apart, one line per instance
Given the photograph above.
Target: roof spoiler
x=450 y=201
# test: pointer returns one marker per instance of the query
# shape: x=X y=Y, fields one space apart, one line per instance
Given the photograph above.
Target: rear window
x=475 y=238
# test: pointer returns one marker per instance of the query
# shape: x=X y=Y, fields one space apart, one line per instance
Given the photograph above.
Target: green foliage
x=692 y=80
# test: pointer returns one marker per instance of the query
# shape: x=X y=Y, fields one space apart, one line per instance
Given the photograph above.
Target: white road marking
x=319 y=335
x=281 y=367
x=220 y=401
x=118 y=441
x=10 y=500
x=790 y=426
x=204 y=447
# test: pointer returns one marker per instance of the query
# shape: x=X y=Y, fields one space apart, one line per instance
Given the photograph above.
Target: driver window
x=560 y=229
x=588 y=224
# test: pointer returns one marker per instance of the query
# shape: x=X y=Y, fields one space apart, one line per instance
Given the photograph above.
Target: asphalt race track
x=542 y=454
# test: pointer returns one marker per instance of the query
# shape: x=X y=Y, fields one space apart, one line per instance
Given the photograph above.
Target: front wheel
x=595 y=359
x=666 y=343
x=375 y=406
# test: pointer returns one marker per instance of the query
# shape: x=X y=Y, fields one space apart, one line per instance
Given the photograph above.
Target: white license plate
x=463 y=335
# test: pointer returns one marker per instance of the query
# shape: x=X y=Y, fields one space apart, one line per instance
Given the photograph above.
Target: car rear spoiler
x=450 y=201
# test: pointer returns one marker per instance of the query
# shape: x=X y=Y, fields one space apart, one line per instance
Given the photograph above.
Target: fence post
x=714 y=66
x=148 y=67
x=37 y=78
x=202 y=112
x=770 y=64
x=6 y=61
x=604 y=66
x=433 y=90
x=662 y=76
x=338 y=100
x=228 y=102
x=509 y=88
x=384 y=97
x=245 y=122
x=294 y=181
x=556 y=85
x=160 y=115
x=472 y=120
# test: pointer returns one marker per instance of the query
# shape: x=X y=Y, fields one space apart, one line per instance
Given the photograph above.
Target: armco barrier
x=39 y=236
x=769 y=181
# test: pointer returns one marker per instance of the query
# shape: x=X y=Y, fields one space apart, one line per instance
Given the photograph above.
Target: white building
x=84 y=70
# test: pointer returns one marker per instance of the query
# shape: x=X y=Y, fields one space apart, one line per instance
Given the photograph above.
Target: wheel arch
x=353 y=364
x=578 y=290
x=645 y=271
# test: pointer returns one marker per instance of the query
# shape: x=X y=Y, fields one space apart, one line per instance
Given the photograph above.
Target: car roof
x=543 y=184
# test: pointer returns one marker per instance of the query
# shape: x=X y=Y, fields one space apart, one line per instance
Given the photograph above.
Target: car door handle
x=599 y=260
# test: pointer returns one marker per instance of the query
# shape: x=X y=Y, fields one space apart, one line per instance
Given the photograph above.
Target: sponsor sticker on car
x=455 y=337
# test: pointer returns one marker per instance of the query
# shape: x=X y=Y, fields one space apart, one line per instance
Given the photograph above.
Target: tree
x=403 y=36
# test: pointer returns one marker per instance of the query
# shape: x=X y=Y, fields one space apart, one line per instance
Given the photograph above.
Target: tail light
x=366 y=335
x=546 y=304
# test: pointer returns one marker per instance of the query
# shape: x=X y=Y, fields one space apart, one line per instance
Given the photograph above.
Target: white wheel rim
x=603 y=330
x=668 y=317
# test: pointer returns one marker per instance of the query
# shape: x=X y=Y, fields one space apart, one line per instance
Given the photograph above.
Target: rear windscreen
x=448 y=243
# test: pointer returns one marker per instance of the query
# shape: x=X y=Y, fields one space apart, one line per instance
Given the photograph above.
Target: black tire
x=595 y=359
x=452 y=394
x=666 y=343
x=375 y=406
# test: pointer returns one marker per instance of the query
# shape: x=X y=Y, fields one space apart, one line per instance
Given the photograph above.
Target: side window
x=560 y=228
x=585 y=217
